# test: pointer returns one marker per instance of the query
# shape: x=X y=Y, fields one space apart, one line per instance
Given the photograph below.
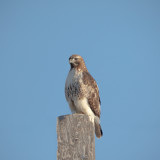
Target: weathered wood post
x=76 y=139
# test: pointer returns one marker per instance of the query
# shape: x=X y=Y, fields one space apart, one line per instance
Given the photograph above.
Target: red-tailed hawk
x=82 y=92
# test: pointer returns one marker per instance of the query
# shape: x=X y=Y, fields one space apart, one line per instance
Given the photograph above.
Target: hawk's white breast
x=73 y=77
x=70 y=78
x=72 y=86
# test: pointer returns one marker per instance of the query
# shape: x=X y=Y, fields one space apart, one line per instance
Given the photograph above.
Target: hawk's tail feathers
x=98 y=130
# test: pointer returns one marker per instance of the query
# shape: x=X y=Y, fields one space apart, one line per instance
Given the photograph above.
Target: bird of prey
x=82 y=93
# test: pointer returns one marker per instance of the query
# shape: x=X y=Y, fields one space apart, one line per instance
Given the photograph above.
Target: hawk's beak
x=71 y=60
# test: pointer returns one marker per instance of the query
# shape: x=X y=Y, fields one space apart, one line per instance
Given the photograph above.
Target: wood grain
x=76 y=138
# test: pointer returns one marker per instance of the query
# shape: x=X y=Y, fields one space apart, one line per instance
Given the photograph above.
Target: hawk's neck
x=81 y=68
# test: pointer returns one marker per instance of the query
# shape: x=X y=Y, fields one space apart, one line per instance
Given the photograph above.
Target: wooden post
x=76 y=139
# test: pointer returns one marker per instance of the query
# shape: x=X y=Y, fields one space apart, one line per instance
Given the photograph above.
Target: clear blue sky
x=120 y=42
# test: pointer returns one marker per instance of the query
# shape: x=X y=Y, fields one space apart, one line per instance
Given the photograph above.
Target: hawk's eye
x=75 y=58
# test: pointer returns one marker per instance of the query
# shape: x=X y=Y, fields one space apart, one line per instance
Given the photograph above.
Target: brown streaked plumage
x=82 y=92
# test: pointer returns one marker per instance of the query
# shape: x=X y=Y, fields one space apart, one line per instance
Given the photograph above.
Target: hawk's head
x=77 y=61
